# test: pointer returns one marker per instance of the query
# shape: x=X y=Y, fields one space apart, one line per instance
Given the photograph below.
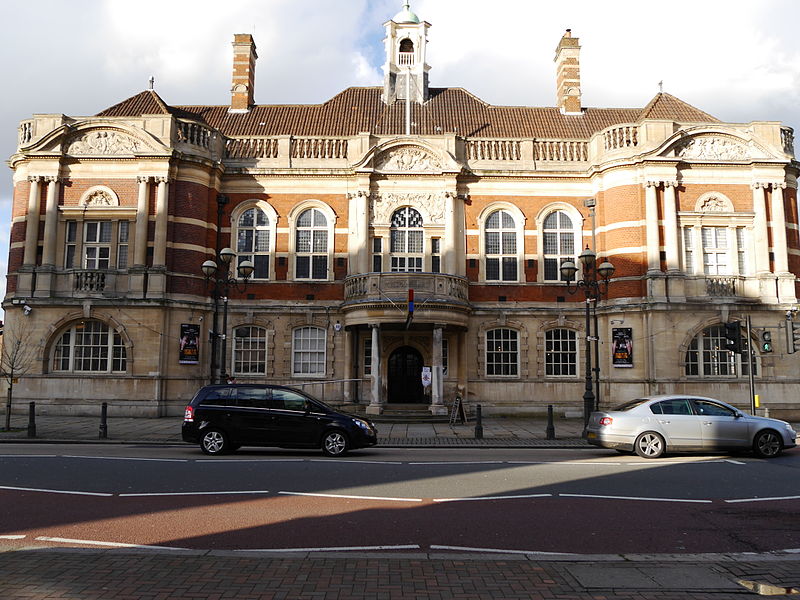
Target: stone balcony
x=383 y=298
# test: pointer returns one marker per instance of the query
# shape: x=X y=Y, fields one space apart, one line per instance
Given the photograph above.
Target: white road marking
x=12 y=537
x=572 y=463
x=358 y=462
x=635 y=498
x=388 y=499
x=194 y=493
x=737 y=500
x=29 y=455
x=492 y=498
x=734 y=462
x=225 y=461
x=496 y=550
x=23 y=489
x=331 y=549
x=182 y=460
x=108 y=544
x=459 y=462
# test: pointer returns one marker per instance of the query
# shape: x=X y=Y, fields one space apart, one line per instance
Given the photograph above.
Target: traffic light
x=733 y=337
x=792 y=337
x=766 y=341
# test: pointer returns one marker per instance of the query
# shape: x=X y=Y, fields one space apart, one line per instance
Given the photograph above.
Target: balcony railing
x=392 y=288
x=721 y=286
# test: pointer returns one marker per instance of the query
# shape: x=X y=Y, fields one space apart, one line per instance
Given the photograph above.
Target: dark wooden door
x=405 y=376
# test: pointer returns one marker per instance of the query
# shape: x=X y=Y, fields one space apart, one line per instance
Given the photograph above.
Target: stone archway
x=404 y=381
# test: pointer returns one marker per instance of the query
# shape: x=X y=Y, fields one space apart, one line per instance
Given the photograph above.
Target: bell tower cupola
x=406 y=69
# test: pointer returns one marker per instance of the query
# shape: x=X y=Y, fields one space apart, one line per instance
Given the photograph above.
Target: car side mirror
x=737 y=415
x=308 y=406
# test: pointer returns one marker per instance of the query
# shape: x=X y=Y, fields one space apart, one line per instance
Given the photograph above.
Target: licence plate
x=591 y=435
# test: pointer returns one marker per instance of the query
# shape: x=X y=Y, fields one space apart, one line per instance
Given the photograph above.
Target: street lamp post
x=222 y=285
x=594 y=277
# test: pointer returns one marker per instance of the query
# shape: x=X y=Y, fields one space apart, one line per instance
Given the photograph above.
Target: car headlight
x=363 y=424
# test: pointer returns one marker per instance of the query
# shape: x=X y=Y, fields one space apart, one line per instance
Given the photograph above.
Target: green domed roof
x=405 y=15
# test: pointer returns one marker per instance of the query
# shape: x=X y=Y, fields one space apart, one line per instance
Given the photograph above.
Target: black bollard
x=104 y=421
x=32 y=420
x=478 y=423
x=550 y=432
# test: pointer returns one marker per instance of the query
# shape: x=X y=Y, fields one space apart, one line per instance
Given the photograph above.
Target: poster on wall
x=189 y=349
x=622 y=346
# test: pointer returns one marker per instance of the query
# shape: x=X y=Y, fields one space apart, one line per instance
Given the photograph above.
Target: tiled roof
x=448 y=110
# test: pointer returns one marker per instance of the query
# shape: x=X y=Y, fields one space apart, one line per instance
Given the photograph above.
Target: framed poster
x=622 y=347
x=189 y=349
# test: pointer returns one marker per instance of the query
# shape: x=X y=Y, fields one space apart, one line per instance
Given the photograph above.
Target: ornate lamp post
x=594 y=278
x=222 y=285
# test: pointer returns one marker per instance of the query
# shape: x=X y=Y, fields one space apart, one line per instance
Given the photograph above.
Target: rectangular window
x=436 y=259
x=96 y=244
x=502 y=352
x=715 y=251
x=740 y=251
x=122 y=245
x=445 y=355
x=308 y=351
x=560 y=353
x=377 y=254
x=368 y=357
x=71 y=238
x=688 y=250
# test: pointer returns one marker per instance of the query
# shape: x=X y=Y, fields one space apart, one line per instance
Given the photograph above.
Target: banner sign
x=426 y=376
x=189 y=349
x=622 y=346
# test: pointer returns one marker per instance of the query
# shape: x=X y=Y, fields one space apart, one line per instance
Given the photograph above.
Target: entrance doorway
x=405 y=376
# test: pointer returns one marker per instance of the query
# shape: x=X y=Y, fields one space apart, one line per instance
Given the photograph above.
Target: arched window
x=500 y=247
x=558 y=243
x=252 y=240
x=308 y=351
x=311 y=245
x=502 y=352
x=406 y=240
x=707 y=356
x=89 y=347
x=560 y=353
x=406 y=55
x=249 y=350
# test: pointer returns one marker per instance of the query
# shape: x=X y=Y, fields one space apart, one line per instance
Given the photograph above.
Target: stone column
x=761 y=256
x=347 y=388
x=449 y=243
x=32 y=222
x=160 y=238
x=376 y=402
x=651 y=226
x=437 y=384
x=142 y=218
x=50 y=222
x=778 y=219
x=358 y=241
x=671 y=226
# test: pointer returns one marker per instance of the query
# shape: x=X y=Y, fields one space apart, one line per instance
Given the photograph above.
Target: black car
x=222 y=418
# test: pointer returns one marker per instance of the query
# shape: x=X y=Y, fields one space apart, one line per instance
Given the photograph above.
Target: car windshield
x=630 y=404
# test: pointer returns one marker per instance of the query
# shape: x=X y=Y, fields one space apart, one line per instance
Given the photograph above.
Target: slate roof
x=359 y=109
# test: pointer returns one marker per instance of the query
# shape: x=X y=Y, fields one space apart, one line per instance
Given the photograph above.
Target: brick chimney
x=244 y=73
x=568 y=75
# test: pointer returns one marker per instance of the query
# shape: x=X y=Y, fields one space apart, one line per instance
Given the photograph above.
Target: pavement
x=36 y=573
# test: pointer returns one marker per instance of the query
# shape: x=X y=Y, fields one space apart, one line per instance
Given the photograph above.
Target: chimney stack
x=244 y=73
x=568 y=75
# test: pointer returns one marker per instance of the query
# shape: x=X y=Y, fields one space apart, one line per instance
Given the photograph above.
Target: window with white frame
x=250 y=350
x=89 y=347
x=406 y=241
x=558 y=243
x=502 y=352
x=560 y=353
x=308 y=351
x=500 y=246
x=715 y=251
x=253 y=239
x=688 y=250
x=123 y=232
x=96 y=245
x=368 y=356
x=722 y=249
x=707 y=356
x=311 y=245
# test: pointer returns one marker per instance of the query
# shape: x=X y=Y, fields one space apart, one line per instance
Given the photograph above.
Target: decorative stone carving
x=713 y=202
x=104 y=142
x=712 y=148
x=99 y=197
x=406 y=159
x=432 y=205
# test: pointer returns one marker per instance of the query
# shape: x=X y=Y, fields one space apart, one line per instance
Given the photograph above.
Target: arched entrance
x=404 y=383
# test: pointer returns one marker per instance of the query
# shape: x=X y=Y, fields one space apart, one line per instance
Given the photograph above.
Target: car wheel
x=767 y=444
x=335 y=443
x=214 y=442
x=649 y=445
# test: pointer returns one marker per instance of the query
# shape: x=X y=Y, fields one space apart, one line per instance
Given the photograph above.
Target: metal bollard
x=104 y=421
x=32 y=419
x=478 y=423
x=550 y=431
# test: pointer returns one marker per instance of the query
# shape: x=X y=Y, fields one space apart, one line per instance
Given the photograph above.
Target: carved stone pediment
x=103 y=142
x=408 y=159
x=713 y=147
x=713 y=202
x=430 y=206
x=98 y=197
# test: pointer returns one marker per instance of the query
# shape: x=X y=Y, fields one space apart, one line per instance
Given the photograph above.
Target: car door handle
x=663 y=421
x=708 y=423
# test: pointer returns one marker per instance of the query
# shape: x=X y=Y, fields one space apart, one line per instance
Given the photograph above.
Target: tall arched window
x=308 y=351
x=500 y=247
x=558 y=243
x=406 y=240
x=707 y=356
x=252 y=240
x=311 y=245
x=502 y=352
x=249 y=350
x=89 y=346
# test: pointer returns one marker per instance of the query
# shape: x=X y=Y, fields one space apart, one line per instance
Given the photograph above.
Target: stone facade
x=344 y=207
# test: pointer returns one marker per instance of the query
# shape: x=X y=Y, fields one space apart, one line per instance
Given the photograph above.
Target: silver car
x=658 y=424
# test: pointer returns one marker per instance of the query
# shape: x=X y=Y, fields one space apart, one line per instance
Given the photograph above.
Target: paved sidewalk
x=498 y=432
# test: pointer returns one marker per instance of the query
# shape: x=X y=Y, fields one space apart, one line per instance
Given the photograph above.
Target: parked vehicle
x=658 y=424
x=222 y=418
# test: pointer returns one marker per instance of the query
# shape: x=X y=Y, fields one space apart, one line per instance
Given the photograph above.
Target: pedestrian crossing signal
x=766 y=341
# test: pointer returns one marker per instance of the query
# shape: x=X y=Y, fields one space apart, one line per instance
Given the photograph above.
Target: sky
x=738 y=60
